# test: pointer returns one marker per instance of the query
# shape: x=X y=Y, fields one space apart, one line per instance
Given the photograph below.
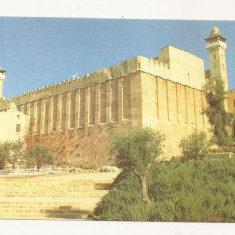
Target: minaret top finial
x=215 y=31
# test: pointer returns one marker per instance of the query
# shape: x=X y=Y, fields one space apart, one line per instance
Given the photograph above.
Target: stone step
x=69 y=196
x=62 y=210
x=58 y=195
x=41 y=200
x=88 y=207
x=43 y=216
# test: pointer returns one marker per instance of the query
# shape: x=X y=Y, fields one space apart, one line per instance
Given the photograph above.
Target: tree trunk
x=143 y=183
x=145 y=198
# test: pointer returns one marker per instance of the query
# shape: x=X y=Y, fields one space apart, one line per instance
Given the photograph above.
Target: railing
x=33 y=171
x=221 y=155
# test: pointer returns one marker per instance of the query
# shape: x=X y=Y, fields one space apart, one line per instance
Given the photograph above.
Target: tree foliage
x=195 y=146
x=39 y=155
x=4 y=154
x=16 y=153
x=137 y=151
x=220 y=120
x=11 y=152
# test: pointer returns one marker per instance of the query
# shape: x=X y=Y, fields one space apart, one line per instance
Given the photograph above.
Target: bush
x=195 y=146
x=4 y=154
x=39 y=155
x=11 y=153
x=187 y=191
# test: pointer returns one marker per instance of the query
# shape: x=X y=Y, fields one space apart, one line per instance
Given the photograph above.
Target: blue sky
x=41 y=51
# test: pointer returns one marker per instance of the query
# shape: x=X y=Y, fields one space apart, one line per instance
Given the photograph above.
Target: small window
x=18 y=128
x=18 y=117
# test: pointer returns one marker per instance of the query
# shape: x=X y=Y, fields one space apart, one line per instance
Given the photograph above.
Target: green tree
x=194 y=146
x=220 y=120
x=4 y=154
x=15 y=153
x=39 y=155
x=137 y=151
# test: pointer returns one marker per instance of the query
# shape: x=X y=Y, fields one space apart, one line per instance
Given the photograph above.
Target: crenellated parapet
x=148 y=65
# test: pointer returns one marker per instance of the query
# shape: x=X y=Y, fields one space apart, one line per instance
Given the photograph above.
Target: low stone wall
x=221 y=155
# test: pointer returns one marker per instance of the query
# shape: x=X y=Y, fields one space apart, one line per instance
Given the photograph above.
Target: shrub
x=16 y=153
x=180 y=191
x=4 y=154
x=195 y=146
x=39 y=155
x=11 y=152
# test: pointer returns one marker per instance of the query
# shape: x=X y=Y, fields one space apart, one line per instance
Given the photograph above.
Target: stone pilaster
x=35 y=117
x=167 y=99
x=42 y=117
x=120 y=100
x=50 y=114
x=87 y=107
x=108 y=101
x=77 y=109
x=21 y=108
x=177 y=102
x=28 y=109
x=186 y=104
x=58 y=115
x=28 y=114
x=68 y=107
x=97 y=104
x=195 y=109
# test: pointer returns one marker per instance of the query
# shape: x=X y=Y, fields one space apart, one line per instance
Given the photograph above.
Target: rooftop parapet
x=151 y=66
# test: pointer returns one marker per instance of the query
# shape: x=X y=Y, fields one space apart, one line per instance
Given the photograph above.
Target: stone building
x=13 y=124
x=77 y=118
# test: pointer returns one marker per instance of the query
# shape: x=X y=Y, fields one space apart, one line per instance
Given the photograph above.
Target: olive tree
x=138 y=151
x=16 y=153
x=39 y=155
x=4 y=154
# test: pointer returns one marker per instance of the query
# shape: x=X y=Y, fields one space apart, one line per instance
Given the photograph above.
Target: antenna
x=75 y=76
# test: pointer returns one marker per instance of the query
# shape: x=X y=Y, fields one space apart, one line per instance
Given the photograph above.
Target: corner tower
x=216 y=45
x=2 y=79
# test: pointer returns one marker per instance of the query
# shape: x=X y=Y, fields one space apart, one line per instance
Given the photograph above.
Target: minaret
x=2 y=79
x=216 y=45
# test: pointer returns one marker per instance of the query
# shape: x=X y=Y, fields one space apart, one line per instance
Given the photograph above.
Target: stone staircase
x=60 y=196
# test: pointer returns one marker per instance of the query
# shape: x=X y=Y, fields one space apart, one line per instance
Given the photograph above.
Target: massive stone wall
x=136 y=100
x=78 y=118
x=174 y=109
x=78 y=125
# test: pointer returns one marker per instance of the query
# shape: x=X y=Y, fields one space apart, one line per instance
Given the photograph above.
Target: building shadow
x=67 y=212
x=103 y=186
